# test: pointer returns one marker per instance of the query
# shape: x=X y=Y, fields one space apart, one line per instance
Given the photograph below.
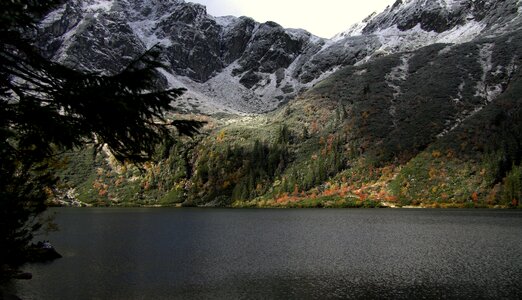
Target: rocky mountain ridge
x=237 y=65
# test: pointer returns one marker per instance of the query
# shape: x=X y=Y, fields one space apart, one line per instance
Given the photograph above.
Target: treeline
x=225 y=172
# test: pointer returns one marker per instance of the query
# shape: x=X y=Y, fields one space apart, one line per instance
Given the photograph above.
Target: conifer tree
x=46 y=108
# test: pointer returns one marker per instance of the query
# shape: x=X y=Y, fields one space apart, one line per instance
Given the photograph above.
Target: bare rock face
x=105 y=35
x=238 y=65
x=235 y=37
x=443 y=15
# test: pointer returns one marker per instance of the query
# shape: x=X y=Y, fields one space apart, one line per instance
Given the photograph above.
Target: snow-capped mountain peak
x=239 y=65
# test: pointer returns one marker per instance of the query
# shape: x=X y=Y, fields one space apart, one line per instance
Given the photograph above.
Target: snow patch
x=88 y=7
x=145 y=30
x=485 y=60
x=493 y=92
x=394 y=40
x=398 y=74
x=324 y=75
x=462 y=33
x=355 y=30
x=98 y=5
x=483 y=89
x=408 y=3
x=458 y=99
x=450 y=4
x=465 y=115
x=53 y=16
x=225 y=21
x=68 y=39
x=446 y=49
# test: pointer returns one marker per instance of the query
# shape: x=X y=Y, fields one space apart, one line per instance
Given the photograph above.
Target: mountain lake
x=190 y=253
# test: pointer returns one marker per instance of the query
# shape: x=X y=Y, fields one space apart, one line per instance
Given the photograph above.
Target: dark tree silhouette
x=46 y=108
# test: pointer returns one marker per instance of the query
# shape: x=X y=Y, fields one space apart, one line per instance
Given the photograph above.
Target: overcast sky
x=324 y=18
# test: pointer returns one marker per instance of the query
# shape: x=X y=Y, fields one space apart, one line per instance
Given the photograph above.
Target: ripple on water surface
x=219 y=253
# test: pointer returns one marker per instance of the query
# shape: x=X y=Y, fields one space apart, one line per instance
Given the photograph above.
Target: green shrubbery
x=512 y=187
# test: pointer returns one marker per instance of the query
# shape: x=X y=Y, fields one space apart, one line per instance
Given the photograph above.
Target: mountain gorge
x=419 y=104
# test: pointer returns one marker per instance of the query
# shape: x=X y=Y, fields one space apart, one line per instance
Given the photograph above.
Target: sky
x=324 y=18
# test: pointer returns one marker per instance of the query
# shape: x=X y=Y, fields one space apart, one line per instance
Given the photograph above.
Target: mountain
x=227 y=64
x=419 y=104
x=238 y=65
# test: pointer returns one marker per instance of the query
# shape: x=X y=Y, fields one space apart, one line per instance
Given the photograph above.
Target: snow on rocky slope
x=237 y=65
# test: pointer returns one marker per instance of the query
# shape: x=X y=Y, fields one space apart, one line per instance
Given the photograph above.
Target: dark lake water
x=282 y=254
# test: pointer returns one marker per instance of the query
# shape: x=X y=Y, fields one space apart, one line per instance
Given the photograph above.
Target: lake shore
x=267 y=204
